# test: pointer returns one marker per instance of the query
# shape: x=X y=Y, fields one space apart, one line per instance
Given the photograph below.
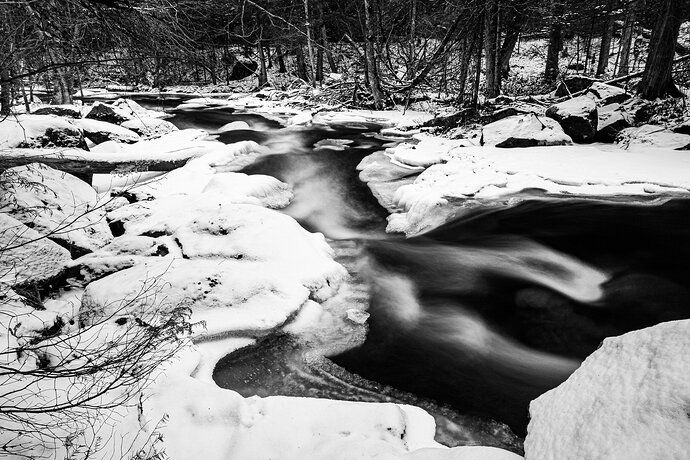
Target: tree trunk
x=478 y=65
x=555 y=43
x=626 y=40
x=513 y=28
x=491 y=75
x=280 y=59
x=263 y=75
x=310 y=47
x=657 y=80
x=301 y=66
x=372 y=68
x=5 y=91
x=605 y=48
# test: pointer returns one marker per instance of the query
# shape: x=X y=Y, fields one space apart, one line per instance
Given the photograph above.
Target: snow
x=491 y=173
x=206 y=226
x=399 y=119
x=627 y=400
x=646 y=136
x=33 y=131
x=26 y=257
x=101 y=131
x=57 y=205
x=149 y=126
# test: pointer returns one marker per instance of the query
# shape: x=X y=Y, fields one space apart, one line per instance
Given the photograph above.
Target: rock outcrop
x=524 y=131
x=578 y=117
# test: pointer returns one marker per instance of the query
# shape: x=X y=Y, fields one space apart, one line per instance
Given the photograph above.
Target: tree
x=555 y=42
x=657 y=79
x=606 y=33
x=491 y=38
x=626 y=39
x=372 y=64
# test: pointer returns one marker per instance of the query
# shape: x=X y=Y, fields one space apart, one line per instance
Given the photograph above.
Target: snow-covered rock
x=230 y=295
x=647 y=136
x=26 y=257
x=577 y=116
x=629 y=399
x=108 y=113
x=57 y=205
x=101 y=131
x=149 y=126
x=208 y=226
x=64 y=110
x=524 y=131
x=573 y=84
x=612 y=120
x=36 y=131
x=608 y=94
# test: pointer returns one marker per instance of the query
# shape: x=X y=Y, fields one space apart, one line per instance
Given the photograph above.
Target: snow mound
x=210 y=227
x=430 y=150
x=102 y=131
x=230 y=296
x=56 y=205
x=34 y=131
x=524 y=131
x=149 y=126
x=26 y=257
x=629 y=399
x=646 y=136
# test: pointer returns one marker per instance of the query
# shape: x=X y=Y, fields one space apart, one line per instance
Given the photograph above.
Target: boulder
x=578 y=117
x=102 y=131
x=608 y=94
x=104 y=112
x=36 y=131
x=66 y=110
x=149 y=126
x=524 y=131
x=242 y=69
x=26 y=257
x=683 y=128
x=573 y=84
x=612 y=120
x=57 y=205
x=499 y=114
x=647 y=136
x=629 y=399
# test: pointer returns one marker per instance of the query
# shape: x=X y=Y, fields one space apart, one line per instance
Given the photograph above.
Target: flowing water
x=471 y=320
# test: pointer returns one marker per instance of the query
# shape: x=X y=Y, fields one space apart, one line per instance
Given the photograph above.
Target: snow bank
x=57 y=205
x=39 y=131
x=486 y=173
x=629 y=399
x=647 y=136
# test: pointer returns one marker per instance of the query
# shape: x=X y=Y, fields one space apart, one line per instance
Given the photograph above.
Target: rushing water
x=471 y=320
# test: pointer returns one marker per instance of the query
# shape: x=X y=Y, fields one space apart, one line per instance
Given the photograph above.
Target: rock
x=229 y=294
x=242 y=69
x=357 y=316
x=608 y=94
x=572 y=85
x=57 y=205
x=66 y=110
x=612 y=120
x=629 y=399
x=683 y=128
x=208 y=226
x=104 y=112
x=26 y=258
x=499 y=114
x=149 y=126
x=35 y=131
x=647 y=136
x=524 y=131
x=102 y=131
x=578 y=117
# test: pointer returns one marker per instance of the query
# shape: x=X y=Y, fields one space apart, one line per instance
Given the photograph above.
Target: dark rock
x=59 y=110
x=608 y=94
x=107 y=113
x=578 y=117
x=573 y=84
x=243 y=69
x=610 y=124
x=499 y=115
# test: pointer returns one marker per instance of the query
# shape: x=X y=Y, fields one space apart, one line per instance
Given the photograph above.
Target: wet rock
x=524 y=131
x=627 y=400
x=578 y=117
x=70 y=111
x=108 y=113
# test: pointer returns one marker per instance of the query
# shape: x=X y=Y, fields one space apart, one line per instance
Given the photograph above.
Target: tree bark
x=513 y=28
x=263 y=75
x=5 y=91
x=605 y=48
x=372 y=68
x=657 y=80
x=555 y=42
x=491 y=74
x=310 y=47
x=626 y=40
x=301 y=66
x=280 y=59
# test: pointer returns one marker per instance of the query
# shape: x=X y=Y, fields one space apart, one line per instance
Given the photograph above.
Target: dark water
x=479 y=316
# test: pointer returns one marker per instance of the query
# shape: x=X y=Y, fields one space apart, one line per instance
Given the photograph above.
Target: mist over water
x=495 y=307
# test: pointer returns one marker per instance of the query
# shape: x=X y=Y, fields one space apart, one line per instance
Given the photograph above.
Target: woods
x=399 y=47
